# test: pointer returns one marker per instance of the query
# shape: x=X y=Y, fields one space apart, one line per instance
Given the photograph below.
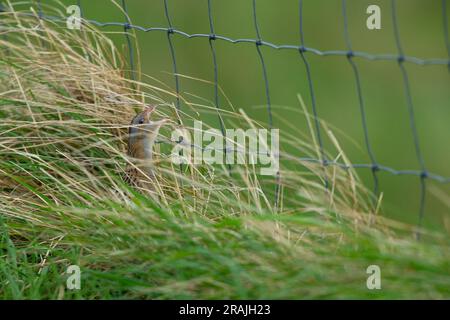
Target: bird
x=142 y=134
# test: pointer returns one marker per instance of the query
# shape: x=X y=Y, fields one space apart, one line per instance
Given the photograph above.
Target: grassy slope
x=149 y=253
x=61 y=151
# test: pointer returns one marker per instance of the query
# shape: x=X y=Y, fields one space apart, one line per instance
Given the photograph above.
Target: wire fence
x=400 y=58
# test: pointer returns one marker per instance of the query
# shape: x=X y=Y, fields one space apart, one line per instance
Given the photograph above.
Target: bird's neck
x=142 y=148
x=147 y=146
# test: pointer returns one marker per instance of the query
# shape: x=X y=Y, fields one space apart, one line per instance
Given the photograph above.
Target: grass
x=65 y=104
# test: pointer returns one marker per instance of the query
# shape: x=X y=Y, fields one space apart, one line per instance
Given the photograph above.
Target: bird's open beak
x=159 y=123
x=147 y=112
x=154 y=125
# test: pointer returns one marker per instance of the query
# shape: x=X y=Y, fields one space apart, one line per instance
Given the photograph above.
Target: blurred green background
x=240 y=75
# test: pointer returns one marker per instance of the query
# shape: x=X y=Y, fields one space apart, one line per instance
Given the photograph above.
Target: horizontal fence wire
x=303 y=50
x=344 y=53
x=345 y=166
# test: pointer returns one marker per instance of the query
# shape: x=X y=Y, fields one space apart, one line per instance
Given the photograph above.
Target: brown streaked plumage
x=142 y=135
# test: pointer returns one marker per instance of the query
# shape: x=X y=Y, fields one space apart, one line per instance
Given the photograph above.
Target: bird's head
x=143 y=132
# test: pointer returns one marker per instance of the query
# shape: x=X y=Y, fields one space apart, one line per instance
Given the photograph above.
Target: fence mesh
x=303 y=50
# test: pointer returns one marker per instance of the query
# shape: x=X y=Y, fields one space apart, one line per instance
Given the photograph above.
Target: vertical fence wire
x=263 y=65
x=362 y=108
x=127 y=27
x=410 y=106
x=302 y=50
x=172 y=54
x=170 y=32
x=267 y=91
x=211 y=39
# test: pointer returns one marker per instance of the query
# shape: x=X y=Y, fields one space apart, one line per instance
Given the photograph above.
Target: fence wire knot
x=424 y=175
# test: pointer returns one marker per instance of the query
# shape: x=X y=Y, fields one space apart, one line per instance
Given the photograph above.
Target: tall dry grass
x=66 y=102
